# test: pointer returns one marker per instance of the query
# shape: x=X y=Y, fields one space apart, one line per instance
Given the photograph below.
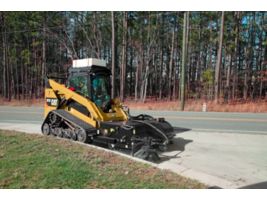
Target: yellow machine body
x=96 y=113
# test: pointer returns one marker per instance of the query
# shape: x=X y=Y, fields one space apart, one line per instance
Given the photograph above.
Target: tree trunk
x=235 y=68
x=9 y=74
x=245 y=88
x=17 y=76
x=263 y=58
x=263 y=71
x=145 y=84
x=249 y=54
x=97 y=46
x=229 y=69
x=160 y=73
x=4 y=69
x=131 y=72
x=174 y=82
x=43 y=70
x=4 y=58
x=219 y=61
x=124 y=57
x=137 y=80
x=161 y=58
x=171 y=65
x=12 y=90
x=113 y=54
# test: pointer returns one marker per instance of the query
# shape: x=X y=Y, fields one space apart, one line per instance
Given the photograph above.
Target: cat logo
x=52 y=102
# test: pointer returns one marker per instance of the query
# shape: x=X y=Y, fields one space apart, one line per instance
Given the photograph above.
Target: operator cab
x=91 y=79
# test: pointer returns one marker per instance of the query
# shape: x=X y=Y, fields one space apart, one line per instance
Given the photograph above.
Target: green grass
x=33 y=161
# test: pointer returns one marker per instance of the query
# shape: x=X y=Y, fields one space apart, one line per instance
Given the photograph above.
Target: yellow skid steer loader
x=82 y=109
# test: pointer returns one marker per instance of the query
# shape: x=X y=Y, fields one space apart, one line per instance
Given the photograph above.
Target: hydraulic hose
x=156 y=129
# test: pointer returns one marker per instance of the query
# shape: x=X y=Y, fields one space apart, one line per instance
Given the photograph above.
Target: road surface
x=255 y=123
x=223 y=149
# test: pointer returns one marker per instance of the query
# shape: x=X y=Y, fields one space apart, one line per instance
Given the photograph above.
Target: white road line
x=27 y=122
x=19 y=112
x=193 y=129
x=228 y=130
x=215 y=119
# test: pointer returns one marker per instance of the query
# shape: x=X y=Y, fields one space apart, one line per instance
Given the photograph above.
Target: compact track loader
x=82 y=109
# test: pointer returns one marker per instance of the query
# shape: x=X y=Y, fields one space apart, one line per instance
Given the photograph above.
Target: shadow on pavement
x=214 y=187
x=178 y=146
x=178 y=130
x=261 y=185
x=179 y=143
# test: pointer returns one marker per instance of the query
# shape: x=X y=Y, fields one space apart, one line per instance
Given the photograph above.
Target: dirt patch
x=25 y=102
x=256 y=106
x=259 y=106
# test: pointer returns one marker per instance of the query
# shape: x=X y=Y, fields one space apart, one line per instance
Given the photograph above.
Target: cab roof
x=88 y=62
x=89 y=66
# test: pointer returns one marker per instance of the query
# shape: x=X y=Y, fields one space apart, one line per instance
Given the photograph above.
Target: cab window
x=79 y=83
x=100 y=90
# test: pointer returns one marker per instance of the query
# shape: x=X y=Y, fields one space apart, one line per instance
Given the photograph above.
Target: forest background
x=226 y=66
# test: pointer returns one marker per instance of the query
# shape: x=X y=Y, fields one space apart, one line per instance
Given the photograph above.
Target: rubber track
x=90 y=130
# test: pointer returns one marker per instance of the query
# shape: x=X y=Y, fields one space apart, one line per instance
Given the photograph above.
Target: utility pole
x=184 y=60
x=113 y=55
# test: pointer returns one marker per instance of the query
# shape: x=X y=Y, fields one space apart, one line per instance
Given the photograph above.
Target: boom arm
x=96 y=113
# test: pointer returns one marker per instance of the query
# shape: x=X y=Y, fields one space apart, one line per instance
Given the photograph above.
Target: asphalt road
x=250 y=123
x=215 y=121
x=223 y=149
